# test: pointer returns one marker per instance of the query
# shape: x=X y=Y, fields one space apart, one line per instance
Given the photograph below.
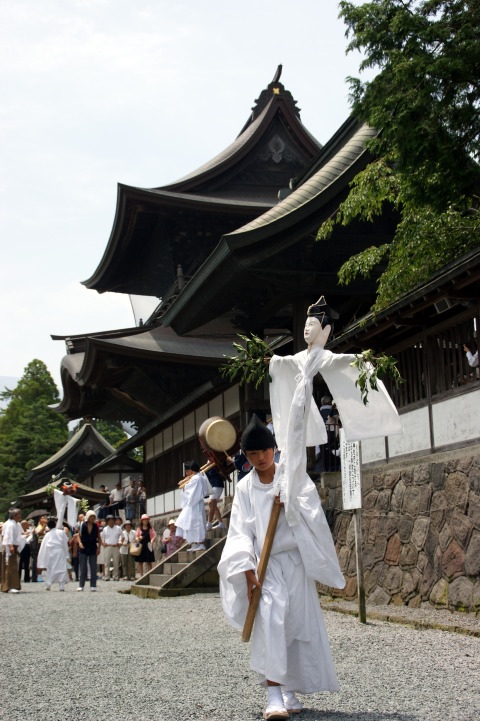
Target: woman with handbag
x=146 y=535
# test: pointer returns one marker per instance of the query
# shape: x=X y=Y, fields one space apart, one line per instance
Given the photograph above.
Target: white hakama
x=53 y=556
x=290 y=644
x=191 y=523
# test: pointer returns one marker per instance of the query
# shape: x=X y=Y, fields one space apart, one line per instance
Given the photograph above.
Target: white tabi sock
x=275 y=698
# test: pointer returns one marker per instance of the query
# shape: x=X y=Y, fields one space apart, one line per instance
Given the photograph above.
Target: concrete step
x=189 y=556
x=170 y=569
x=158 y=579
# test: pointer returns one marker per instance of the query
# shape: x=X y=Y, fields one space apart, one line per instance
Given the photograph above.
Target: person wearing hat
x=291 y=389
x=191 y=523
x=88 y=550
x=290 y=649
x=128 y=561
x=147 y=535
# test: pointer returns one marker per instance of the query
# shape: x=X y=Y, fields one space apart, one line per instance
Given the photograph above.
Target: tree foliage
x=425 y=103
x=30 y=431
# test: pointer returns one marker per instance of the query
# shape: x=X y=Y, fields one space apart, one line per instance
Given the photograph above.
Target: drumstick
x=261 y=570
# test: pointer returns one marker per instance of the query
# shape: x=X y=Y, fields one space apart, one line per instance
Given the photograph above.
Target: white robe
x=53 y=556
x=289 y=644
x=298 y=422
x=191 y=523
x=12 y=535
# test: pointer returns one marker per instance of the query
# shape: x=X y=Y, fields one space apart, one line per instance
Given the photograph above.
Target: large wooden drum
x=217 y=434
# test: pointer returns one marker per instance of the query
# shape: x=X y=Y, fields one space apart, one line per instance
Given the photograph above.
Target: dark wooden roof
x=155 y=230
x=84 y=449
x=261 y=267
x=139 y=376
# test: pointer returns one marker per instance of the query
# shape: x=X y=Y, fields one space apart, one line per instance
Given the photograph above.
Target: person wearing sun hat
x=147 y=535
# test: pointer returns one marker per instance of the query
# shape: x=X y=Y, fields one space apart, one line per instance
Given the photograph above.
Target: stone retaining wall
x=421 y=532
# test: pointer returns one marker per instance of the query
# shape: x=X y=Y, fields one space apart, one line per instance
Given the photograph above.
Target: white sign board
x=351 y=473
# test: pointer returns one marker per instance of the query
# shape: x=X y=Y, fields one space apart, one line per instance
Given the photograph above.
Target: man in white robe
x=191 y=523
x=290 y=648
x=53 y=556
x=13 y=542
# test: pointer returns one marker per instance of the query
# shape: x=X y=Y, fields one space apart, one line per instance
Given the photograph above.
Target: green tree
x=425 y=103
x=111 y=431
x=30 y=431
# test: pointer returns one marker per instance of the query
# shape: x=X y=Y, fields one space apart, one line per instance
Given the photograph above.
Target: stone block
x=372 y=532
x=429 y=579
x=438 y=509
x=422 y=561
x=350 y=590
x=343 y=558
x=460 y=594
x=431 y=543
x=408 y=556
x=464 y=464
x=379 y=548
x=405 y=527
x=368 y=555
x=476 y=597
x=419 y=532
x=461 y=527
x=456 y=490
x=379 y=597
x=474 y=477
x=473 y=512
x=397 y=496
x=367 y=482
x=352 y=564
x=437 y=476
x=370 y=500
x=416 y=500
x=392 y=524
x=383 y=501
x=392 y=554
x=439 y=594
x=445 y=537
x=392 y=582
x=422 y=474
x=409 y=587
x=374 y=576
x=415 y=602
x=453 y=561
x=350 y=537
x=472 y=556
x=388 y=480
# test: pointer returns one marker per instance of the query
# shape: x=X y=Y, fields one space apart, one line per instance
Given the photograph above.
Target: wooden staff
x=185 y=481
x=261 y=570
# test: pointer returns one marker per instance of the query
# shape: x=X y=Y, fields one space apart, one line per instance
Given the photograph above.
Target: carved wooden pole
x=261 y=570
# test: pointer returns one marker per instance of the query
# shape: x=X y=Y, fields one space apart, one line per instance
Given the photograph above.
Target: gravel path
x=115 y=657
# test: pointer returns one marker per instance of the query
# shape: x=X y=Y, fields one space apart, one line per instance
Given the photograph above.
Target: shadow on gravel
x=327 y=715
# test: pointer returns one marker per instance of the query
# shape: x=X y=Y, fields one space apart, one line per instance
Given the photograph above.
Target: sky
x=100 y=92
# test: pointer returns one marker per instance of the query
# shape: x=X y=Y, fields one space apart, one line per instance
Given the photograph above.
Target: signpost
x=351 y=465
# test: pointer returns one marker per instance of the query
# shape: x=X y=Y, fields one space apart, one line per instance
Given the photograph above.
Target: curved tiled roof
x=312 y=187
x=76 y=440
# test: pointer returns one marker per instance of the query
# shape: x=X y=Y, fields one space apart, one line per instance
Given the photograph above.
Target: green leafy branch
x=250 y=365
x=371 y=368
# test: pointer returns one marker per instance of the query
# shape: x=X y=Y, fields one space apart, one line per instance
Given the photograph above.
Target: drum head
x=220 y=435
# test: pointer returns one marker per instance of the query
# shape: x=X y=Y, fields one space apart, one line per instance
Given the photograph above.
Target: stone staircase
x=185 y=571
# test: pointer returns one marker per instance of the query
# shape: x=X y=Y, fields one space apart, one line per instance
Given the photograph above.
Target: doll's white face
x=314 y=334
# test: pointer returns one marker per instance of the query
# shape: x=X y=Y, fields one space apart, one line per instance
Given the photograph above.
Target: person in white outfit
x=13 y=542
x=53 y=556
x=191 y=523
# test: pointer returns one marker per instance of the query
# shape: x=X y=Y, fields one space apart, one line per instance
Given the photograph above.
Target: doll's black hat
x=256 y=436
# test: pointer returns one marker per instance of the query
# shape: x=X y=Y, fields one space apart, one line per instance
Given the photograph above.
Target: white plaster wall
x=457 y=419
x=416 y=434
x=373 y=449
